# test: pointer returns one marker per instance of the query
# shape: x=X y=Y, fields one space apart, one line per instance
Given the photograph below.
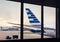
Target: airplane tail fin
x=32 y=18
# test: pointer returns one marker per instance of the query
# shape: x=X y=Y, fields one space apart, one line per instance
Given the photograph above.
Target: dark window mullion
x=42 y=20
x=21 y=19
x=57 y=23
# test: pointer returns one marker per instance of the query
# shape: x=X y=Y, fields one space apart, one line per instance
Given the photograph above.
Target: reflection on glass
x=32 y=21
x=9 y=17
x=49 y=22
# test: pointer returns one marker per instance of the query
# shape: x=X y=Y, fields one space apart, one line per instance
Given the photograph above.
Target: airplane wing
x=38 y=27
x=24 y=25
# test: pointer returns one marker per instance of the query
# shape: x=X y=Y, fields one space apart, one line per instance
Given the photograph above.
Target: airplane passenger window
x=32 y=21
x=9 y=20
x=49 y=22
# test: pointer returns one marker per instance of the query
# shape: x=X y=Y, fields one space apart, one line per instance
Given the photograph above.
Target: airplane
x=35 y=26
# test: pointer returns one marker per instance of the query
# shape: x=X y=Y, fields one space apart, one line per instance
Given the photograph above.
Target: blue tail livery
x=32 y=18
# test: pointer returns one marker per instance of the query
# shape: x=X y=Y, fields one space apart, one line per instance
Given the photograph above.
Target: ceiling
x=51 y=3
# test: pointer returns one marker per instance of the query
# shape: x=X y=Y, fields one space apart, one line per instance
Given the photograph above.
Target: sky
x=10 y=12
x=49 y=17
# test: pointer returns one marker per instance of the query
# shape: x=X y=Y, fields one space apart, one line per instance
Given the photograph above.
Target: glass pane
x=9 y=18
x=32 y=21
x=50 y=22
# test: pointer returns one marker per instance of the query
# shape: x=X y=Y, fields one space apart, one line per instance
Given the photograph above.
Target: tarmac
x=26 y=35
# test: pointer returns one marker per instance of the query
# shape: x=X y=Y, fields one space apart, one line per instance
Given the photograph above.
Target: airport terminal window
x=32 y=21
x=49 y=22
x=9 y=20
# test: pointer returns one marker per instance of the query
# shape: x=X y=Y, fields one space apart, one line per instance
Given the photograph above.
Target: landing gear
x=8 y=37
x=14 y=37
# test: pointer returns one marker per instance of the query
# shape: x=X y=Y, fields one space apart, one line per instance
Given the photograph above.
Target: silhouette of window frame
x=22 y=2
